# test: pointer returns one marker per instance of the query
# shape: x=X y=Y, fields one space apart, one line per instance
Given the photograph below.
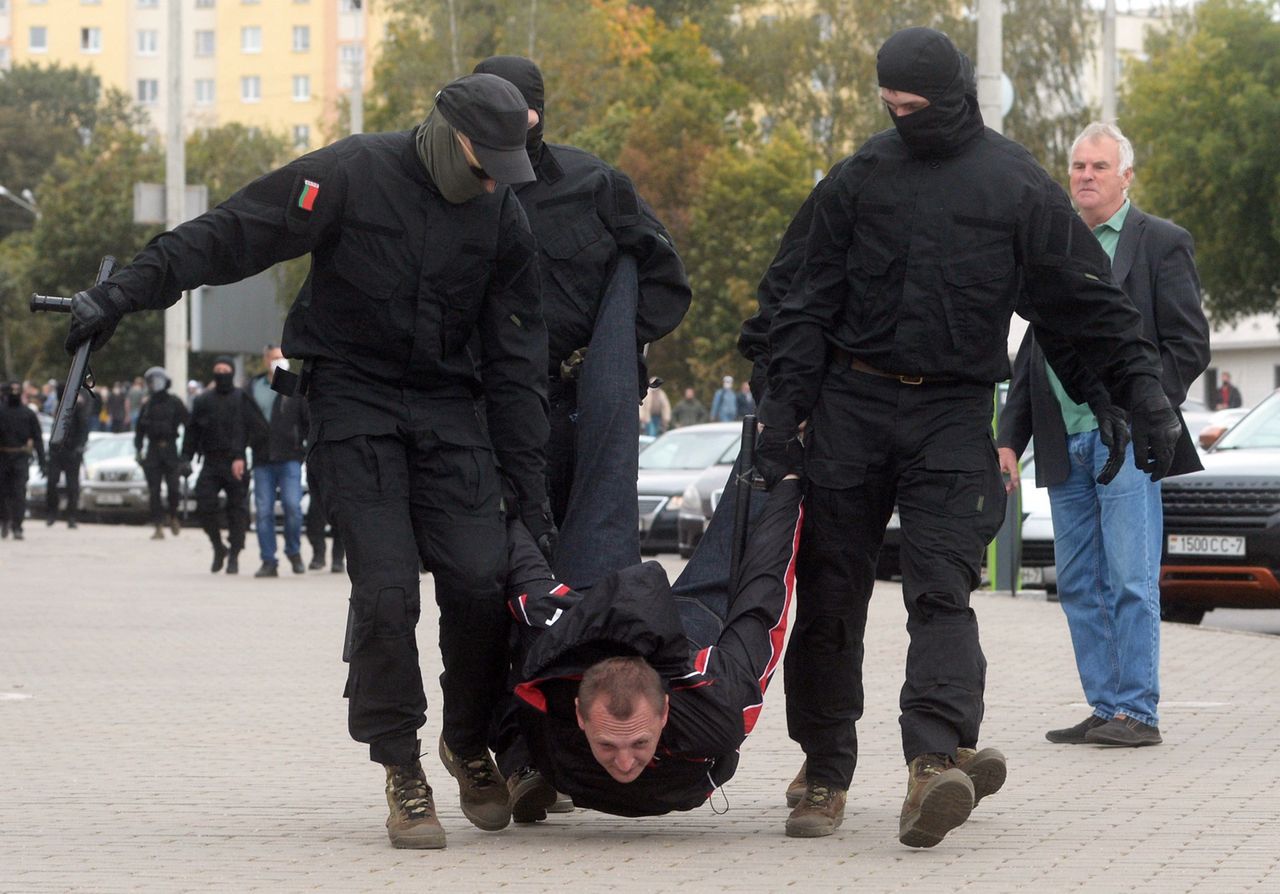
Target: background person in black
x=158 y=423
x=65 y=459
x=420 y=313
x=583 y=213
x=221 y=424
x=317 y=521
x=888 y=344
x=20 y=436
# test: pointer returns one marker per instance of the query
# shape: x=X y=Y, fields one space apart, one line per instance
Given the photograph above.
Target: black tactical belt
x=844 y=358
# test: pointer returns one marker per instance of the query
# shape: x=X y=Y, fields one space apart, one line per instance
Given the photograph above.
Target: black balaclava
x=224 y=382
x=13 y=394
x=527 y=78
x=925 y=62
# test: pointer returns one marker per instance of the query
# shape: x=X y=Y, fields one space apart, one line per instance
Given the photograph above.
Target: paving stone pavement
x=164 y=729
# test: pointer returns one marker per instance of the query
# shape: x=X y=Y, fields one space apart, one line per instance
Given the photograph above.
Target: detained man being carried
x=634 y=696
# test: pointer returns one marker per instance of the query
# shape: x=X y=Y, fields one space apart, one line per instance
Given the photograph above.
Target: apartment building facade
x=275 y=64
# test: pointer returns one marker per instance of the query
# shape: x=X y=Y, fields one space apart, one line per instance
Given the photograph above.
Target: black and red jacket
x=716 y=691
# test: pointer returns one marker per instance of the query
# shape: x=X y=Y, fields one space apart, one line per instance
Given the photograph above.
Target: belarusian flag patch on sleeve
x=307 y=198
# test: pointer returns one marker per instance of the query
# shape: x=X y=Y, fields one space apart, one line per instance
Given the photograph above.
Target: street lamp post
x=26 y=201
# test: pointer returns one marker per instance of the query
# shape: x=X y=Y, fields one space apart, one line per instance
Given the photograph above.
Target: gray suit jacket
x=1155 y=265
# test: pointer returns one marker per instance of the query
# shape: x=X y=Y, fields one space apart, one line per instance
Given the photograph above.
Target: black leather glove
x=1113 y=431
x=1156 y=427
x=95 y=313
x=184 y=470
x=137 y=457
x=778 y=454
x=542 y=527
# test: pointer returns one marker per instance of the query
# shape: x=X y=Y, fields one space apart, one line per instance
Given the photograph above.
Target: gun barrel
x=52 y=303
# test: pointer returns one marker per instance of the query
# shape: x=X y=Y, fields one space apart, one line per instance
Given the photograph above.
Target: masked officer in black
x=888 y=343
x=158 y=423
x=20 y=436
x=221 y=425
x=583 y=213
x=422 y=300
x=65 y=459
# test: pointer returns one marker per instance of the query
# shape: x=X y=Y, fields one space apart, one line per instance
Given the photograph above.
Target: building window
x=350 y=60
x=251 y=89
x=348 y=5
x=204 y=43
x=301 y=136
x=148 y=91
x=148 y=4
x=301 y=38
x=90 y=2
x=204 y=4
x=38 y=39
x=204 y=91
x=301 y=88
x=251 y=39
x=91 y=40
x=148 y=42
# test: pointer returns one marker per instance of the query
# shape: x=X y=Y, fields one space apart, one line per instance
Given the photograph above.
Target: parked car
x=1216 y=425
x=667 y=467
x=1222 y=525
x=700 y=499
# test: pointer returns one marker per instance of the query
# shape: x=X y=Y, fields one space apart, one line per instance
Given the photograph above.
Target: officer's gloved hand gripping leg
x=1156 y=426
x=778 y=452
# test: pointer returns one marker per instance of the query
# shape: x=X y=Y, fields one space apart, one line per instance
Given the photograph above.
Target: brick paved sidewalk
x=163 y=729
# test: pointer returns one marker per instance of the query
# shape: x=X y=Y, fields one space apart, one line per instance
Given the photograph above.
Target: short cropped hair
x=1106 y=129
x=621 y=681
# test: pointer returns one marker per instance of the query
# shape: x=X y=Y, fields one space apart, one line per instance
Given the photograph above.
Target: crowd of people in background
x=657 y=415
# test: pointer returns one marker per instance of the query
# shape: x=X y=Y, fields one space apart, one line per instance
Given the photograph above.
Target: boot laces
x=409 y=788
x=479 y=771
x=933 y=764
x=817 y=796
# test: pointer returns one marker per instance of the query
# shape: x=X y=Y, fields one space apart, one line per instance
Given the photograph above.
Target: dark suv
x=1222 y=525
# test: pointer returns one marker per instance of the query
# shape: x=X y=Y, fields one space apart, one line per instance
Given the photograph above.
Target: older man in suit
x=1107 y=531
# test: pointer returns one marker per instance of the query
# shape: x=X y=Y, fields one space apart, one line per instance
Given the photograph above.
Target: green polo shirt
x=1078 y=417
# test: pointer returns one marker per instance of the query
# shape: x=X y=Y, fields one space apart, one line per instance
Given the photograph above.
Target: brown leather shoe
x=820 y=812
x=939 y=798
x=795 y=791
x=1074 y=735
x=482 y=792
x=412 y=822
x=986 y=770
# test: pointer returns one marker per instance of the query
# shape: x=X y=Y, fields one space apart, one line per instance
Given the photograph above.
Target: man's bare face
x=900 y=103
x=1097 y=183
x=623 y=747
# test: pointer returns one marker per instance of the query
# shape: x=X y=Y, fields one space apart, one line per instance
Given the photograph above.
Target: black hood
x=525 y=75
x=925 y=62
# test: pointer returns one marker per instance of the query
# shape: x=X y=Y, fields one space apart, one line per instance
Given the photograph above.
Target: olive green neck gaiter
x=446 y=164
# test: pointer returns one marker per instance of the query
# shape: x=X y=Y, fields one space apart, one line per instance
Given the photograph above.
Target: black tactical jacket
x=582 y=213
x=220 y=425
x=158 y=422
x=914 y=266
x=400 y=282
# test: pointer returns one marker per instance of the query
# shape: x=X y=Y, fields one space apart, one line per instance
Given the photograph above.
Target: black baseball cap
x=491 y=113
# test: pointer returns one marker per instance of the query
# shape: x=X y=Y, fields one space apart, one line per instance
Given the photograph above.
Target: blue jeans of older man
x=1107 y=547
x=285 y=479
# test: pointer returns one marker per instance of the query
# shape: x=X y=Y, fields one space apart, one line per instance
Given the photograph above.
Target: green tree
x=1203 y=113
x=750 y=193
x=227 y=158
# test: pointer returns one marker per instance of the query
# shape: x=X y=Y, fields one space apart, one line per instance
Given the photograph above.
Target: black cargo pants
x=64 y=464
x=162 y=464
x=216 y=476
x=402 y=502
x=14 y=469
x=874 y=441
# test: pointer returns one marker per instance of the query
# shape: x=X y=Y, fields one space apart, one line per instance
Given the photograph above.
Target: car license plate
x=1205 y=545
x=110 y=499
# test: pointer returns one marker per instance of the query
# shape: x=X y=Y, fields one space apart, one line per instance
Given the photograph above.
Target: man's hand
x=1009 y=469
x=1113 y=431
x=95 y=313
x=237 y=469
x=184 y=470
x=137 y=457
x=1155 y=427
x=542 y=527
x=778 y=452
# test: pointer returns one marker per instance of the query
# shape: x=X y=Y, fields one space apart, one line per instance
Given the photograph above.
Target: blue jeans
x=267 y=479
x=1107 y=552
